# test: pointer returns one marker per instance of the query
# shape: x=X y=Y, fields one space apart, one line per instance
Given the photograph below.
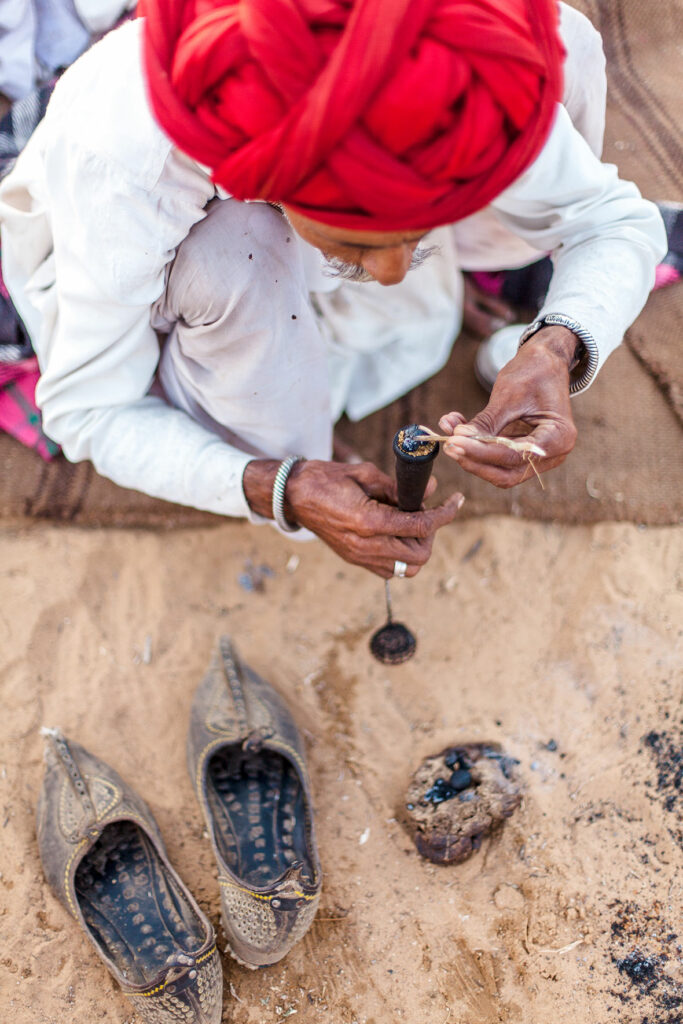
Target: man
x=190 y=172
x=40 y=37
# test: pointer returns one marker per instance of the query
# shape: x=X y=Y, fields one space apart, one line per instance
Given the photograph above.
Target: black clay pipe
x=414 y=457
x=393 y=643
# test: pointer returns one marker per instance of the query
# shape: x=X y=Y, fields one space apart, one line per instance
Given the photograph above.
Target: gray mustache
x=352 y=272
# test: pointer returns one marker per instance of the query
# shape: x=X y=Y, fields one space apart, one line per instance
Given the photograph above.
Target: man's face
x=382 y=256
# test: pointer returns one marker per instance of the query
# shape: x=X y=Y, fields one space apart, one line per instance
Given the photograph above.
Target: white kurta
x=39 y=36
x=99 y=202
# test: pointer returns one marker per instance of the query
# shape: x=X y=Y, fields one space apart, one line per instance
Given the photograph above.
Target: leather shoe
x=246 y=761
x=104 y=857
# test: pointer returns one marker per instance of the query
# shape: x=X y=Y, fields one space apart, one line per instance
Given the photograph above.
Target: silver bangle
x=279 y=485
x=584 y=336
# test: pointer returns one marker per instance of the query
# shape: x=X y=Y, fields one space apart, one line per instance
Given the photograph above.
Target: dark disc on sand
x=448 y=814
x=393 y=644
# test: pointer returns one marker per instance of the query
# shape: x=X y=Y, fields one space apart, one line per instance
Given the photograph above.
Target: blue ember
x=640 y=969
x=413 y=438
x=438 y=792
x=441 y=790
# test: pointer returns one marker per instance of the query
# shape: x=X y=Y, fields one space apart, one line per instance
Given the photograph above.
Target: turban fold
x=366 y=114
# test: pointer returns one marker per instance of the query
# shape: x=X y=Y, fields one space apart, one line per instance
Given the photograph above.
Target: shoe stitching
x=234 y=683
x=67 y=790
x=162 y=986
x=264 y=896
x=132 y=816
x=113 y=801
x=296 y=757
x=200 y=765
x=66 y=877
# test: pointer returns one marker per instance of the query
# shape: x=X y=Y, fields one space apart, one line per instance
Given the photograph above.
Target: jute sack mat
x=644 y=48
x=628 y=462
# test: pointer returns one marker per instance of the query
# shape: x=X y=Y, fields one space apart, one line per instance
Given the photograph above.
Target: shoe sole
x=135 y=912
x=258 y=808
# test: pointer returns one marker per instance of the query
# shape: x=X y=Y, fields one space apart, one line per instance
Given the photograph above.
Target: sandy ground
x=527 y=633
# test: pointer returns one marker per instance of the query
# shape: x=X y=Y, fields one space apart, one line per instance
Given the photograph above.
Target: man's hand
x=529 y=401
x=352 y=508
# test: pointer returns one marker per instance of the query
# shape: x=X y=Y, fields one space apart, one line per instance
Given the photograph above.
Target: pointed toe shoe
x=246 y=761
x=104 y=857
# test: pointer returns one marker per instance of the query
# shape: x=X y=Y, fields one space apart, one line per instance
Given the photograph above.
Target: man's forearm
x=151 y=447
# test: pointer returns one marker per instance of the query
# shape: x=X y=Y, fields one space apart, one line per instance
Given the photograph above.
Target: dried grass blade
x=523 y=447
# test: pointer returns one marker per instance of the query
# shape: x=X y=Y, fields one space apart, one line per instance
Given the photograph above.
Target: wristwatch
x=586 y=352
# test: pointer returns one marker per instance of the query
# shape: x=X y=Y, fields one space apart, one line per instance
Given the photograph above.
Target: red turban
x=367 y=114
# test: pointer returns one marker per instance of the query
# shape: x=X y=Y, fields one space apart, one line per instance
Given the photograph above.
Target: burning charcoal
x=412 y=438
x=460 y=779
x=439 y=792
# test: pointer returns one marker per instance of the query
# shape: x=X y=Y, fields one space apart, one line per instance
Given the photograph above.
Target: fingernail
x=461 y=502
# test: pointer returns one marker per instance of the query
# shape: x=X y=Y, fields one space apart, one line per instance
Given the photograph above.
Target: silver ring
x=400 y=569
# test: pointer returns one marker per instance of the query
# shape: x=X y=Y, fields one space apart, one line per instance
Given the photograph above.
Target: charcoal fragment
x=460 y=779
x=413 y=438
x=438 y=792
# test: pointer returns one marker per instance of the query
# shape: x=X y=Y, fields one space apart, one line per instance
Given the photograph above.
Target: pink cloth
x=19 y=415
x=664 y=275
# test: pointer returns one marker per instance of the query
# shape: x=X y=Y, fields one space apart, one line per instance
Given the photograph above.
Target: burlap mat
x=628 y=462
x=643 y=43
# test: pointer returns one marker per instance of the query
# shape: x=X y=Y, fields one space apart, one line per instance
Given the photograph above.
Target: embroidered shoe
x=246 y=761
x=104 y=857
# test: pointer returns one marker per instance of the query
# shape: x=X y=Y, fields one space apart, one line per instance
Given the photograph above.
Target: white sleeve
x=604 y=238
x=100 y=15
x=112 y=243
x=17 y=48
x=585 y=79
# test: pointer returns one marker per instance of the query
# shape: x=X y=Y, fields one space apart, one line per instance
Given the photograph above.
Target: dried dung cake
x=458 y=797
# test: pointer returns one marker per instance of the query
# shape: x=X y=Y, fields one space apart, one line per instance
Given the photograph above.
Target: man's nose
x=391 y=264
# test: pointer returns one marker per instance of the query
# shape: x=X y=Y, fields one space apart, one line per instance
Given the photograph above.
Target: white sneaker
x=494 y=353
